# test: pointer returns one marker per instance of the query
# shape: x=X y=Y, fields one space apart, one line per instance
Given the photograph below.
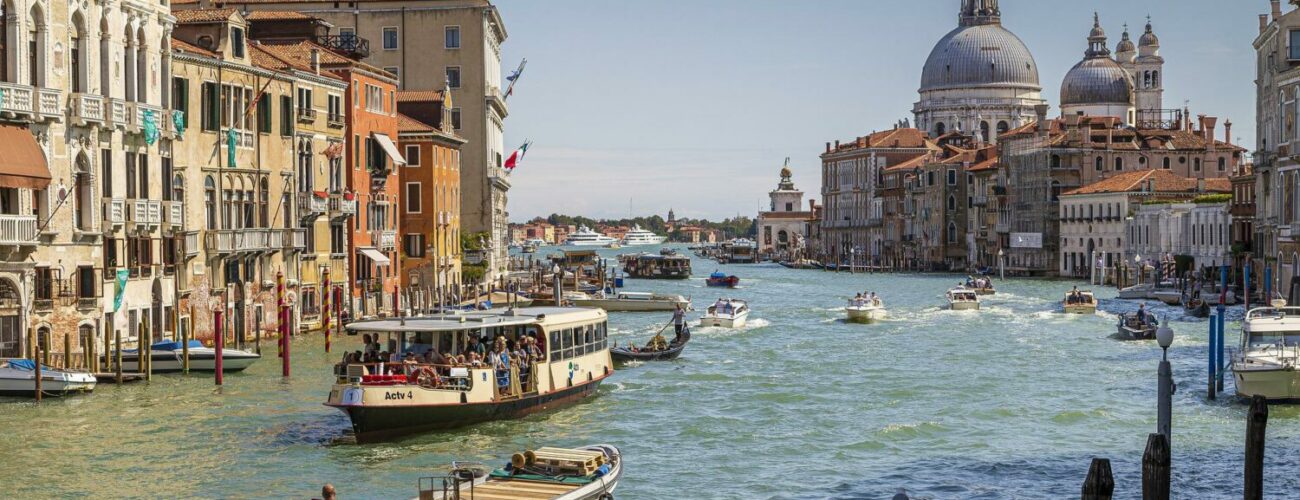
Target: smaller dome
x=786 y=173
x=1149 y=38
x=1125 y=44
x=1096 y=80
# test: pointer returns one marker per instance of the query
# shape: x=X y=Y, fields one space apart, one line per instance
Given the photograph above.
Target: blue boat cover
x=23 y=364
x=718 y=274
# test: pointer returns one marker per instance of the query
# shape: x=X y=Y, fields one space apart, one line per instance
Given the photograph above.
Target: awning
x=22 y=163
x=375 y=255
x=390 y=148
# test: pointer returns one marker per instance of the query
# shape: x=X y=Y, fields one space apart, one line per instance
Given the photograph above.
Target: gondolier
x=679 y=322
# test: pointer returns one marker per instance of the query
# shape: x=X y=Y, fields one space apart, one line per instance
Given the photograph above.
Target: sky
x=636 y=107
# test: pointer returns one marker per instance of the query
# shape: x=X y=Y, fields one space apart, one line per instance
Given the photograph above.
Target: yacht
x=1265 y=365
x=585 y=237
x=18 y=378
x=963 y=299
x=726 y=313
x=168 y=356
x=640 y=237
x=535 y=242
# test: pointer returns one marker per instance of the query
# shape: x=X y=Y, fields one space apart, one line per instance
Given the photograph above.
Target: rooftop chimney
x=315 y=60
x=837 y=144
x=1227 y=132
x=1277 y=9
x=1041 y=111
x=1208 y=126
x=862 y=142
x=828 y=147
x=1263 y=22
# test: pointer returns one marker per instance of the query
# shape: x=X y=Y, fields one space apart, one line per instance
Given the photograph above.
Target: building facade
x=430 y=181
x=783 y=228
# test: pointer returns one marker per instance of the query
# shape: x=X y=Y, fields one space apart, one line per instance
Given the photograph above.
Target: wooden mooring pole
x=185 y=351
x=220 y=340
x=1256 y=424
x=117 y=340
x=1100 y=484
x=38 y=373
x=1155 y=468
x=67 y=350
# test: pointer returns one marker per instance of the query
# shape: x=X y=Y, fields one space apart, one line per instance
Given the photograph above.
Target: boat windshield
x=1261 y=339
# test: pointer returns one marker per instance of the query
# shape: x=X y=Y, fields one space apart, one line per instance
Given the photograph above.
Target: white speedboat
x=18 y=378
x=1266 y=363
x=1170 y=296
x=1083 y=303
x=865 y=310
x=585 y=237
x=535 y=242
x=726 y=313
x=1142 y=291
x=963 y=299
x=640 y=237
x=634 y=302
x=586 y=473
x=167 y=356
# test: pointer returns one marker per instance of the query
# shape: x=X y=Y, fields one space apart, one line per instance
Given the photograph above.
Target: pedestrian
x=327 y=492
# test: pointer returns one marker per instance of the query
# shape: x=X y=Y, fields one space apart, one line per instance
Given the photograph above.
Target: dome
x=1149 y=38
x=983 y=55
x=1096 y=80
x=1125 y=44
x=786 y=173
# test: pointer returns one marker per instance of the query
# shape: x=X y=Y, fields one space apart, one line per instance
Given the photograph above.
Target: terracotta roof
x=276 y=15
x=910 y=138
x=1125 y=138
x=183 y=46
x=1165 y=182
x=419 y=95
x=300 y=52
x=199 y=16
x=914 y=162
x=408 y=124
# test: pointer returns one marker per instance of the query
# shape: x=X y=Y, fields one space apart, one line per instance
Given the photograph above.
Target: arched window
x=178 y=190
x=1223 y=164
x=952 y=202
x=105 y=63
x=82 y=195
x=1165 y=163
x=1056 y=191
x=952 y=232
x=1196 y=164
x=141 y=67
x=210 y=201
x=1146 y=80
x=129 y=67
x=265 y=204
x=8 y=51
x=1056 y=161
x=37 y=31
x=1155 y=79
x=1100 y=165
x=984 y=131
x=76 y=53
x=939 y=129
x=1003 y=127
x=1119 y=164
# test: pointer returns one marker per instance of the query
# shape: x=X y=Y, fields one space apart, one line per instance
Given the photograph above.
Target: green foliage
x=472 y=242
x=1213 y=198
x=472 y=273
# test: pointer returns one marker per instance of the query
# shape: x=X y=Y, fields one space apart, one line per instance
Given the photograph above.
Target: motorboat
x=640 y=237
x=1137 y=325
x=633 y=301
x=1079 y=302
x=1170 y=296
x=1265 y=364
x=585 y=237
x=864 y=310
x=528 y=248
x=738 y=251
x=663 y=265
x=585 y=473
x=658 y=349
x=535 y=242
x=801 y=264
x=721 y=279
x=18 y=379
x=963 y=299
x=382 y=400
x=1139 y=292
x=726 y=313
x=168 y=357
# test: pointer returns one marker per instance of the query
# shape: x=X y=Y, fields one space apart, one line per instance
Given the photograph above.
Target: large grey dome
x=984 y=55
x=1096 y=80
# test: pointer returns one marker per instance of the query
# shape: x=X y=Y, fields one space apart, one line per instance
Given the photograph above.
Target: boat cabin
x=1268 y=326
x=657 y=266
x=962 y=295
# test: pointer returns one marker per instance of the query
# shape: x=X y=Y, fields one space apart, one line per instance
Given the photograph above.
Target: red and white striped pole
x=284 y=323
x=325 y=307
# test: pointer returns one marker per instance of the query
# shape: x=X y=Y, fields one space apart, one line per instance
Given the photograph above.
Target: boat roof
x=1267 y=319
x=461 y=320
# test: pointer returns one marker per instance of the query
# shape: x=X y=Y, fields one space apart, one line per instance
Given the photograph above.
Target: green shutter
x=264 y=114
x=286 y=116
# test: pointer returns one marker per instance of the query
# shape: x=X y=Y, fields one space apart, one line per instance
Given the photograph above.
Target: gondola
x=674 y=349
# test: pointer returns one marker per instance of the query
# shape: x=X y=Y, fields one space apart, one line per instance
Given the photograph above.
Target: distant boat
x=633 y=302
x=1085 y=303
x=168 y=355
x=721 y=279
x=963 y=299
x=640 y=237
x=585 y=237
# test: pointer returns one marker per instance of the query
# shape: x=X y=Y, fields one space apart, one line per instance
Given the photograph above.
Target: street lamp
x=1002 y=266
x=1165 y=392
x=1137 y=261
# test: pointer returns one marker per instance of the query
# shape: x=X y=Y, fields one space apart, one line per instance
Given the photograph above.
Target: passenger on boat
x=501 y=363
x=719 y=305
x=476 y=347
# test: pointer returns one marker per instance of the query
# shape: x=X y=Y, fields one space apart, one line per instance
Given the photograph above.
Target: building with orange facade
x=430 y=208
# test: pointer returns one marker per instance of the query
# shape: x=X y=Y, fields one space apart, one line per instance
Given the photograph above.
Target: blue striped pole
x=1218 y=350
x=1245 y=285
x=1212 y=363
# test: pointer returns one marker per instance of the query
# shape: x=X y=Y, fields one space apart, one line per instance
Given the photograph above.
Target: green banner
x=178 y=121
x=119 y=288
x=150 y=127
x=230 y=147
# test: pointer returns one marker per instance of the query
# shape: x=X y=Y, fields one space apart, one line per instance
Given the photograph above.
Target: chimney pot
x=828 y=147
x=837 y=143
x=1277 y=8
x=1263 y=22
x=1227 y=132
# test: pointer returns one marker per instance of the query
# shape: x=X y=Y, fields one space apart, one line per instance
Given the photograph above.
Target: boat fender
x=464 y=398
x=589 y=376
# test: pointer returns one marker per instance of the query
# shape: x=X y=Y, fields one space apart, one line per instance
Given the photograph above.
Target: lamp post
x=1164 y=412
x=1002 y=266
x=1137 y=262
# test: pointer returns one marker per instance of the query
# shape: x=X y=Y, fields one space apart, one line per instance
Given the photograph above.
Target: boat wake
x=718 y=331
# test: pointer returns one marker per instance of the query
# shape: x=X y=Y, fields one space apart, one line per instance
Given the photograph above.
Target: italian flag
x=517 y=156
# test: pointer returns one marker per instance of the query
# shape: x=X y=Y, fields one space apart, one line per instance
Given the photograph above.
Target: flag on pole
x=514 y=78
x=517 y=156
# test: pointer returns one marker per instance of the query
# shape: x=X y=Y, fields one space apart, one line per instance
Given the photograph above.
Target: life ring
x=427 y=378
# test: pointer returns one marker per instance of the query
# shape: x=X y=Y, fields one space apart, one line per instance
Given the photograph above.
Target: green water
x=1012 y=401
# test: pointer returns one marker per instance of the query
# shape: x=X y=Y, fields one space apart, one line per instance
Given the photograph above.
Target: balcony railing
x=175 y=214
x=384 y=240
x=191 y=244
x=294 y=239
x=311 y=206
x=115 y=211
x=146 y=212
x=306 y=115
x=981 y=201
x=115 y=110
x=347 y=45
x=87 y=108
x=335 y=120
x=51 y=103
x=224 y=241
x=17 y=229
x=342 y=208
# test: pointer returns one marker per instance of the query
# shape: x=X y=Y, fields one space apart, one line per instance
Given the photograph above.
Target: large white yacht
x=585 y=237
x=1270 y=349
x=640 y=237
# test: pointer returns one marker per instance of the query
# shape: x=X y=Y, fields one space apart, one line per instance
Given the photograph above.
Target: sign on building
x=1026 y=240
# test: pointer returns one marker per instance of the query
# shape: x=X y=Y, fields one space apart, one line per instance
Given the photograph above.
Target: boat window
x=1258 y=339
x=566 y=336
x=591 y=338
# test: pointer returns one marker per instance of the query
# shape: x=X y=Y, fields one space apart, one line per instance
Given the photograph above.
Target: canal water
x=1012 y=401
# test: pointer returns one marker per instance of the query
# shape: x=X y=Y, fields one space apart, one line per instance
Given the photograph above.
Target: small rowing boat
x=657 y=349
x=585 y=473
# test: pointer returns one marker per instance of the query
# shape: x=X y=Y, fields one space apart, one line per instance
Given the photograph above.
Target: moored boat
x=566 y=359
x=1079 y=302
x=1142 y=291
x=663 y=265
x=1137 y=325
x=585 y=473
x=865 y=310
x=962 y=299
x=1170 y=296
x=640 y=237
x=18 y=379
x=584 y=236
x=633 y=301
x=168 y=356
x=721 y=279
x=1265 y=364
x=726 y=313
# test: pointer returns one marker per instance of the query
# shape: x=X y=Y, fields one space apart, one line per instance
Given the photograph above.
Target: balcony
x=347 y=45
x=86 y=109
x=17 y=229
x=336 y=121
x=981 y=201
x=161 y=118
x=114 y=212
x=145 y=213
x=24 y=102
x=191 y=244
x=495 y=100
x=294 y=239
x=1002 y=227
x=115 y=111
x=311 y=206
x=384 y=240
x=306 y=115
x=175 y=214
x=247 y=240
x=341 y=208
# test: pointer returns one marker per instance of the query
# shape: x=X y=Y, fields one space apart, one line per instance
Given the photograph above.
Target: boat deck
x=521 y=489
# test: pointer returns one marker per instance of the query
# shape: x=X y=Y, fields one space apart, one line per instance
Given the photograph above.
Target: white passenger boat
x=167 y=356
x=585 y=237
x=18 y=379
x=634 y=302
x=726 y=313
x=1142 y=291
x=865 y=310
x=389 y=399
x=586 y=473
x=640 y=237
x=963 y=299
x=1269 y=352
x=1079 y=302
